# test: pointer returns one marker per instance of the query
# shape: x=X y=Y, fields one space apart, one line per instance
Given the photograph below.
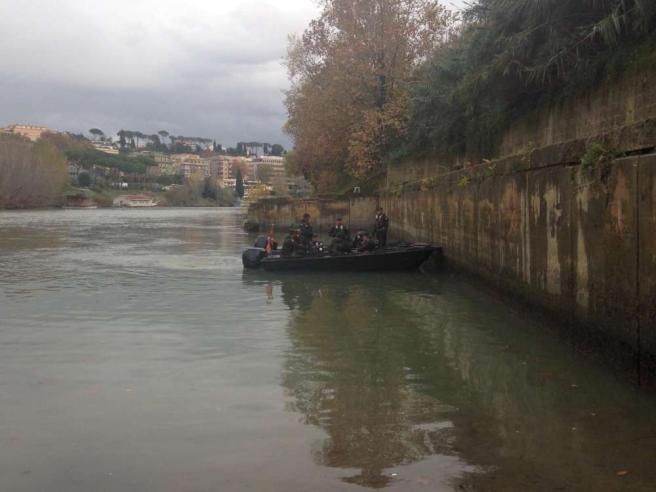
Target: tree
x=277 y=150
x=97 y=133
x=239 y=184
x=31 y=174
x=84 y=179
x=122 y=139
x=165 y=135
x=264 y=173
x=510 y=57
x=242 y=148
x=350 y=72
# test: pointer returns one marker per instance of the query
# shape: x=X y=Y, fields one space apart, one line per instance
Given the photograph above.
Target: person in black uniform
x=341 y=238
x=381 y=224
x=299 y=245
x=306 y=233
x=363 y=242
x=288 y=245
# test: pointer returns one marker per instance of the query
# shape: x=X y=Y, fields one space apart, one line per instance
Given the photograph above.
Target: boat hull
x=408 y=258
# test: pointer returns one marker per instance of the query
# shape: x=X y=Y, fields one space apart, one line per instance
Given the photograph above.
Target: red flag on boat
x=268 y=248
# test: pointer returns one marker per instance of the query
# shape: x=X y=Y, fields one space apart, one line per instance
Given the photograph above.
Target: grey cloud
x=206 y=68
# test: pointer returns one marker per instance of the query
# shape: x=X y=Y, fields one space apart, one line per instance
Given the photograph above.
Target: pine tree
x=239 y=184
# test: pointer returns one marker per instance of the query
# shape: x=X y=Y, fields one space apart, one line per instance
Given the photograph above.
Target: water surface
x=135 y=354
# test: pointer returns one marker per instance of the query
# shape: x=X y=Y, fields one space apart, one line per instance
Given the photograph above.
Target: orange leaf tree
x=349 y=75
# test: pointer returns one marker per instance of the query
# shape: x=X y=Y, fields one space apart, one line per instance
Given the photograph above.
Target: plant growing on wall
x=594 y=154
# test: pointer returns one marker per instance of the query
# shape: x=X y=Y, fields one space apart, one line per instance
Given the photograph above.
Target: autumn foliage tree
x=349 y=75
x=31 y=174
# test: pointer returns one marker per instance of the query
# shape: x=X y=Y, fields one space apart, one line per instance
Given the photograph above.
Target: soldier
x=288 y=244
x=299 y=246
x=341 y=238
x=363 y=242
x=381 y=224
x=306 y=232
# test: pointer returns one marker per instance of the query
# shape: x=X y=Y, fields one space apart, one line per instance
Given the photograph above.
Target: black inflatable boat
x=401 y=256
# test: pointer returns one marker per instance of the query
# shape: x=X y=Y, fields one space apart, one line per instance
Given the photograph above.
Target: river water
x=136 y=355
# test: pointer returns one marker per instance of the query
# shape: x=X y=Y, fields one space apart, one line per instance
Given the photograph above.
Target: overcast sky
x=207 y=68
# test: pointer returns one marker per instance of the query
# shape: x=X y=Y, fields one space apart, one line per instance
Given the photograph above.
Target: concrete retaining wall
x=357 y=213
x=581 y=243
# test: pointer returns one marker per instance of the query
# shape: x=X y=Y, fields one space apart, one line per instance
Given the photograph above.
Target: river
x=137 y=355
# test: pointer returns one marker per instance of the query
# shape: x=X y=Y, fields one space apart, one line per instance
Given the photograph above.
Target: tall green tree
x=277 y=150
x=122 y=139
x=164 y=134
x=239 y=184
x=97 y=133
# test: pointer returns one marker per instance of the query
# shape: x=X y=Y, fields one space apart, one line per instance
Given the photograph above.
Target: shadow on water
x=402 y=369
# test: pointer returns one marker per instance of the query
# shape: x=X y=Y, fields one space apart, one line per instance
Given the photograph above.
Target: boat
x=399 y=256
x=134 y=201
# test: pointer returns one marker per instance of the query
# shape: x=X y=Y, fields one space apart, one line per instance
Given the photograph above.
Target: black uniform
x=306 y=234
x=341 y=242
x=363 y=242
x=381 y=224
x=288 y=246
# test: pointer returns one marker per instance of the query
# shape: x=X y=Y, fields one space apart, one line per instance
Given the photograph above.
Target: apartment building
x=34 y=133
x=191 y=164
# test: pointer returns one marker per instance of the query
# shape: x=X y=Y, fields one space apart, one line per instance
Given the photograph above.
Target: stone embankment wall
x=578 y=240
x=357 y=213
x=581 y=243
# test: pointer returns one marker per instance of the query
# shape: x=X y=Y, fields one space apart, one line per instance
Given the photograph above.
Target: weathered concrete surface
x=578 y=242
x=646 y=260
x=284 y=212
x=614 y=107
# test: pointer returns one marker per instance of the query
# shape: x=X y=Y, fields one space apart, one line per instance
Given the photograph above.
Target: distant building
x=165 y=164
x=34 y=133
x=274 y=163
x=106 y=147
x=203 y=144
x=74 y=171
x=191 y=164
x=220 y=167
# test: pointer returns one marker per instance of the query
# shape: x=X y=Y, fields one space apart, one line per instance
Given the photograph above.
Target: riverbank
x=564 y=219
x=84 y=198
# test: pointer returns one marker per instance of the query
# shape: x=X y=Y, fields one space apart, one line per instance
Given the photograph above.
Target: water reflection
x=397 y=372
x=348 y=373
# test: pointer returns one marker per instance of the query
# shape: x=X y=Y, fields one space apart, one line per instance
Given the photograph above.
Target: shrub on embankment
x=197 y=191
x=31 y=174
x=512 y=57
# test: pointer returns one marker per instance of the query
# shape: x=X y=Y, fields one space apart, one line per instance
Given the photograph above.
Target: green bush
x=515 y=56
